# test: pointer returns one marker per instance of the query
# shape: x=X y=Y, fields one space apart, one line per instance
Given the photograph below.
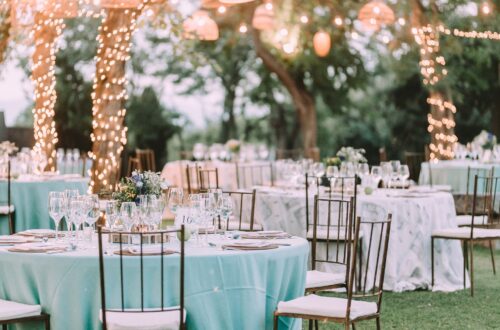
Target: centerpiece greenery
x=140 y=183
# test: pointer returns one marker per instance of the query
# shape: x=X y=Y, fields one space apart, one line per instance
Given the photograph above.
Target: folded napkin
x=269 y=234
x=14 y=239
x=38 y=233
x=249 y=246
x=146 y=251
x=32 y=248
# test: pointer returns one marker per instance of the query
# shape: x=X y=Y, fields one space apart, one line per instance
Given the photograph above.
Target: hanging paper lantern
x=322 y=43
x=200 y=26
x=235 y=2
x=120 y=4
x=374 y=14
x=263 y=17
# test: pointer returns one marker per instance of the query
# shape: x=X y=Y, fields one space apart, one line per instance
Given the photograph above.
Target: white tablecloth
x=453 y=173
x=414 y=218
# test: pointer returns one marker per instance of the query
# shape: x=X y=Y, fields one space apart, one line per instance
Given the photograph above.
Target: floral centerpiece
x=233 y=146
x=145 y=183
x=352 y=155
x=7 y=148
x=332 y=161
x=485 y=140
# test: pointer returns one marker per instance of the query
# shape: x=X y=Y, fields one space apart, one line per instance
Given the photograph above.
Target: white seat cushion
x=13 y=310
x=147 y=320
x=327 y=306
x=7 y=209
x=322 y=233
x=466 y=220
x=235 y=225
x=317 y=279
x=464 y=232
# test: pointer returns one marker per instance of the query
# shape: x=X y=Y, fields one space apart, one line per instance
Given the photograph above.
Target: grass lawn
x=434 y=310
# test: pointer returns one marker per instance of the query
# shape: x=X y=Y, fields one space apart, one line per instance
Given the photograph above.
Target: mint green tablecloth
x=224 y=289
x=454 y=174
x=30 y=199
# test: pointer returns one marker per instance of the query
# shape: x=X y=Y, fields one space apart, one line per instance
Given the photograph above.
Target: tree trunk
x=303 y=100
x=109 y=96
x=442 y=112
x=229 y=129
x=46 y=32
x=4 y=29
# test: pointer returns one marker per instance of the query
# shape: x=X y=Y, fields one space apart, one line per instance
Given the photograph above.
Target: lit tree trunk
x=46 y=32
x=229 y=129
x=4 y=29
x=302 y=99
x=109 y=96
x=442 y=111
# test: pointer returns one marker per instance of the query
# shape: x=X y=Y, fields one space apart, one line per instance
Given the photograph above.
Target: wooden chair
x=6 y=207
x=146 y=158
x=294 y=154
x=250 y=175
x=334 y=234
x=192 y=178
x=133 y=165
x=464 y=203
x=414 y=161
x=22 y=313
x=349 y=311
x=208 y=179
x=483 y=227
x=244 y=218
x=162 y=317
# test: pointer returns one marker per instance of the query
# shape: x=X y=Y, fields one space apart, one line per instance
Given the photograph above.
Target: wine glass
x=404 y=174
x=94 y=211
x=395 y=165
x=175 y=199
x=376 y=174
x=56 y=211
x=386 y=173
x=77 y=214
x=112 y=213
x=127 y=213
x=226 y=209
x=199 y=151
x=156 y=210
x=69 y=195
x=363 y=170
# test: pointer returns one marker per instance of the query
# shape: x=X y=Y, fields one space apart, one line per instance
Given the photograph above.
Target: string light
x=441 y=118
x=46 y=32
x=243 y=28
x=109 y=95
x=491 y=35
x=485 y=8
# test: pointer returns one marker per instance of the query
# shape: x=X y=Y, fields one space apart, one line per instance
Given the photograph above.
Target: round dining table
x=454 y=173
x=415 y=214
x=30 y=195
x=224 y=289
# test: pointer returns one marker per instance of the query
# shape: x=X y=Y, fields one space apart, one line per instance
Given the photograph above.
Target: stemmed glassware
x=376 y=175
x=128 y=212
x=93 y=210
x=112 y=213
x=175 y=199
x=226 y=209
x=69 y=196
x=404 y=174
x=386 y=173
x=56 y=209
x=77 y=214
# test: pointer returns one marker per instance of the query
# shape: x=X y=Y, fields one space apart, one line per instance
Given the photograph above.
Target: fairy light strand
x=433 y=70
x=109 y=134
x=46 y=32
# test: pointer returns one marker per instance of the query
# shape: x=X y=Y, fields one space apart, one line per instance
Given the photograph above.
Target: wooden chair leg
x=12 y=229
x=316 y=324
x=310 y=324
x=466 y=263
x=471 y=269
x=4 y=326
x=492 y=258
x=47 y=322
x=347 y=325
x=275 y=323
x=378 y=323
x=432 y=261
x=353 y=326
